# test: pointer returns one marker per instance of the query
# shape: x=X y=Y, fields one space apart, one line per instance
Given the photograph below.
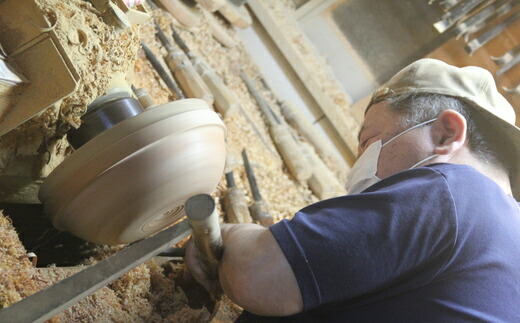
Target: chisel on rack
x=181 y=67
x=259 y=210
x=456 y=14
x=479 y=21
x=235 y=203
x=291 y=153
x=478 y=17
x=477 y=43
x=226 y=102
x=170 y=83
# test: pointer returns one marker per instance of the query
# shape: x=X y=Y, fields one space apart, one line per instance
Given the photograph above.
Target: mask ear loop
x=408 y=130
x=424 y=160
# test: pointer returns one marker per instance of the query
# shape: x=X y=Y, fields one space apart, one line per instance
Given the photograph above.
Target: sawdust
x=147 y=293
x=98 y=52
x=16 y=272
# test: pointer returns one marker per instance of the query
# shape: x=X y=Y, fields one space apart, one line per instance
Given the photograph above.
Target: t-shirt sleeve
x=394 y=237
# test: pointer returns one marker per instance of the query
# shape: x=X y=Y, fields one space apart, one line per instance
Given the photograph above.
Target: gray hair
x=419 y=107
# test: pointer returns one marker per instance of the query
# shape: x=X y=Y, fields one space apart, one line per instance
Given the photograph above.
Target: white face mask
x=363 y=173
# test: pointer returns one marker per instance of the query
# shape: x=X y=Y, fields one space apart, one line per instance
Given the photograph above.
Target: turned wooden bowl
x=133 y=179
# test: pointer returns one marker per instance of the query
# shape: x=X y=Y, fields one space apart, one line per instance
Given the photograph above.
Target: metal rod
x=181 y=42
x=170 y=83
x=251 y=177
x=264 y=106
x=230 y=179
x=173 y=252
x=162 y=37
x=52 y=300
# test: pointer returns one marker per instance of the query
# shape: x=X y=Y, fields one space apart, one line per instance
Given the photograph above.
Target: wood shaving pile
x=16 y=274
x=98 y=52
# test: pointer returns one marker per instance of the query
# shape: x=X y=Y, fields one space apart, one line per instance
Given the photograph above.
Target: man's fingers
x=195 y=269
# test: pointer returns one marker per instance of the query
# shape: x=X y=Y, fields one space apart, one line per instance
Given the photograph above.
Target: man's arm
x=253 y=272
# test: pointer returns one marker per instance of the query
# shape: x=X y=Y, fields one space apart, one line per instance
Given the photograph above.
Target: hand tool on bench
x=292 y=155
x=170 y=83
x=181 y=67
x=259 y=209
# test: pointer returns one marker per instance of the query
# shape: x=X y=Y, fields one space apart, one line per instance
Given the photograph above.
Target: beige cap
x=473 y=85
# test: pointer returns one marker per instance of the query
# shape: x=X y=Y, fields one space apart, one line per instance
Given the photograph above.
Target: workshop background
x=292 y=80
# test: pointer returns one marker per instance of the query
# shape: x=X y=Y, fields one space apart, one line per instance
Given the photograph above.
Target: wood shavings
x=16 y=271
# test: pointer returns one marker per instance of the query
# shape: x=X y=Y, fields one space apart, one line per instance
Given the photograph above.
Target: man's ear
x=449 y=132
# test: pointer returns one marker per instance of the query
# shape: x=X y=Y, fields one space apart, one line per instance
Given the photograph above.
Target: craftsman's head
x=465 y=120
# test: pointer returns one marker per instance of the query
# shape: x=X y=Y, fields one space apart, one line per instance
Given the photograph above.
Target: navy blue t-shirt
x=433 y=244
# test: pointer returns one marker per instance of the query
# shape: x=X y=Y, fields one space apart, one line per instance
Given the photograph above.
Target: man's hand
x=196 y=270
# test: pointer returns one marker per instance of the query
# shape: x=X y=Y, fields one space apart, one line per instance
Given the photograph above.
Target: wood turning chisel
x=226 y=102
x=181 y=67
x=476 y=18
x=235 y=203
x=457 y=13
x=502 y=8
x=477 y=43
x=291 y=153
x=170 y=83
x=204 y=220
x=259 y=209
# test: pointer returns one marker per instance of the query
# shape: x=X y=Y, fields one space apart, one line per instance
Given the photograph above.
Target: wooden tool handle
x=226 y=102
x=204 y=220
x=181 y=12
x=291 y=153
x=188 y=79
x=235 y=205
x=303 y=125
x=323 y=183
x=211 y=5
x=260 y=213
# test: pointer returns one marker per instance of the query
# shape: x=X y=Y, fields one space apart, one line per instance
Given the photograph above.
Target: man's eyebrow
x=360 y=131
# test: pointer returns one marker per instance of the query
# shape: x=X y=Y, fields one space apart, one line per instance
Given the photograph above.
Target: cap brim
x=511 y=133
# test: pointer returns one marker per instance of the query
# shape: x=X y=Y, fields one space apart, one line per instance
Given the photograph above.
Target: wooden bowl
x=133 y=179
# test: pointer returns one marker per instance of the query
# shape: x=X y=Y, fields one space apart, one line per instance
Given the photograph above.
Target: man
x=430 y=230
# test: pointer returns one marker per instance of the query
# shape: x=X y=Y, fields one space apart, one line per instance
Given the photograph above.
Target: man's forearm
x=255 y=274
